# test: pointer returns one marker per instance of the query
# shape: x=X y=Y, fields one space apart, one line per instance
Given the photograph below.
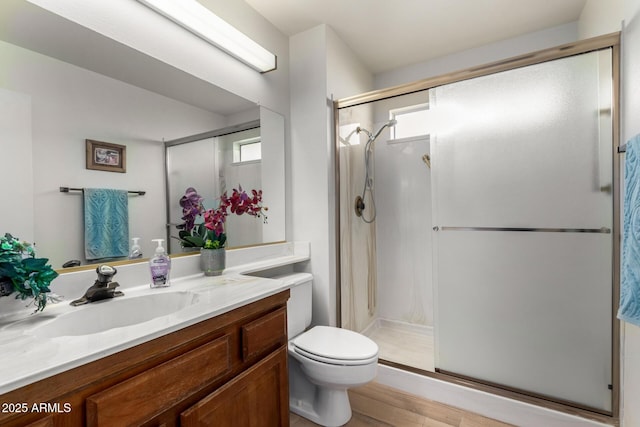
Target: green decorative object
x=22 y=273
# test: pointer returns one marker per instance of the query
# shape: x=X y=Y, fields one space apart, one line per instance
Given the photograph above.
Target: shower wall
x=358 y=276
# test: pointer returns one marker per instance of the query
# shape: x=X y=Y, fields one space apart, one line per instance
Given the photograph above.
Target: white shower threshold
x=493 y=406
x=404 y=343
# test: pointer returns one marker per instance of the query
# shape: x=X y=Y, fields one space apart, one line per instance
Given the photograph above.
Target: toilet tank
x=299 y=304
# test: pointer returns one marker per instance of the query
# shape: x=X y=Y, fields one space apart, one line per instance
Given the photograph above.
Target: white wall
x=16 y=177
x=321 y=66
x=346 y=75
x=600 y=17
x=272 y=130
x=526 y=43
x=310 y=163
x=69 y=105
x=630 y=126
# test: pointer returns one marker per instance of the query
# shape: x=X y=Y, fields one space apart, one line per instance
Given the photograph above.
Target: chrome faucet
x=102 y=288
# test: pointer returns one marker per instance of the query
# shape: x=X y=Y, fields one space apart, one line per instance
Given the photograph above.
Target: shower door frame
x=584 y=46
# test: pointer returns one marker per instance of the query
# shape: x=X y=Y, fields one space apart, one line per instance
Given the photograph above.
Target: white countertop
x=26 y=357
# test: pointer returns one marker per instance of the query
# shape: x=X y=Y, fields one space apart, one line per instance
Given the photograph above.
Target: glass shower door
x=523 y=215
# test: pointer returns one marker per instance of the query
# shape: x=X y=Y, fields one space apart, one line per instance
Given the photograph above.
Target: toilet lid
x=335 y=344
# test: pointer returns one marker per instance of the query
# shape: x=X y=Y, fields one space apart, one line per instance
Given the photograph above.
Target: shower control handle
x=359 y=206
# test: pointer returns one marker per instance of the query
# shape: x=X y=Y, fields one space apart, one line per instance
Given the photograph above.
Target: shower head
x=390 y=123
x=371 y=136
x=346 y=140
x=359 y=129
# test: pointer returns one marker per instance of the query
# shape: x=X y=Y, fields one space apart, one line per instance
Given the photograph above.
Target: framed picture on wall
x=104 y=156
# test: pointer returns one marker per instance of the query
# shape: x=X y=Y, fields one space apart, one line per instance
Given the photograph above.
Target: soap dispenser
x=135 y=252
x=160 y=266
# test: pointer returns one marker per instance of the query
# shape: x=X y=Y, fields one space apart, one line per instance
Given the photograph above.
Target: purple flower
x=191 y=204
x=210 y=234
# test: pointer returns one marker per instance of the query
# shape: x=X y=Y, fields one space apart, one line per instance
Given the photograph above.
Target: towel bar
x=68 y=189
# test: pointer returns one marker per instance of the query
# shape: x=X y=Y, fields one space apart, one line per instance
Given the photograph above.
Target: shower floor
x=403 y=343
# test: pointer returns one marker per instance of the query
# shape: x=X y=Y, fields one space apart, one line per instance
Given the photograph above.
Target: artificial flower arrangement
x=210 y=234
x=21 y=272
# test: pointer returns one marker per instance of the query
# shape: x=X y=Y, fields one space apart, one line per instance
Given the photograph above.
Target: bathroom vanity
x=231 y=367
x=220 y=358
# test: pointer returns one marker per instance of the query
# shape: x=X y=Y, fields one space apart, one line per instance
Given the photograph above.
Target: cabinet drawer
x=140 y=398
x=257 y=397
x=264 y=334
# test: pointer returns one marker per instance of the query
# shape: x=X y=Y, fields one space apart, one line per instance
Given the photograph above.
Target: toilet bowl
x=324 y=362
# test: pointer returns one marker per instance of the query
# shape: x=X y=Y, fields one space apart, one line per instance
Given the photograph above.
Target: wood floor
x=378 y=405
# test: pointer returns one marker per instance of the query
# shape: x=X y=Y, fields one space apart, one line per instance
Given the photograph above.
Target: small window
x=247 y=150
x=411 y=121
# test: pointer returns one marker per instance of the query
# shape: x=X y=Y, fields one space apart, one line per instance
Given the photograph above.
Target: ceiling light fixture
x=196 y=18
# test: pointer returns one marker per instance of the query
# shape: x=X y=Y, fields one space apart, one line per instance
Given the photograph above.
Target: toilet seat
x=336 y=346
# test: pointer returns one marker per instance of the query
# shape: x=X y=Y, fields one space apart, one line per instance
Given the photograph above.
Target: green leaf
x=7 y=270
x=194 y=241
x=202 y=231
x=34 y=264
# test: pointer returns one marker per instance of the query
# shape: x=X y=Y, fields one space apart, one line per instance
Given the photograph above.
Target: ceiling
x=388 y=34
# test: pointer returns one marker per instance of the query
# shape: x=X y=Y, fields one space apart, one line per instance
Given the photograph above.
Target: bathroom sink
x=113 y=313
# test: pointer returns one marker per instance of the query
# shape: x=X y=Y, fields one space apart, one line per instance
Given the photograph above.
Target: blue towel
x=106 y=223
x=629 y=310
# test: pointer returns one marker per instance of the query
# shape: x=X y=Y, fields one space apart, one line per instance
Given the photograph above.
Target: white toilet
x=324 y=361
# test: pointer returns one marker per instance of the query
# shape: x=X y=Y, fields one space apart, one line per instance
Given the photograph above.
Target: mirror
x=62 y=84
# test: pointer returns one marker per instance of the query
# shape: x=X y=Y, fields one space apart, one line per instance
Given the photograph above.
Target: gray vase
x=212 y=261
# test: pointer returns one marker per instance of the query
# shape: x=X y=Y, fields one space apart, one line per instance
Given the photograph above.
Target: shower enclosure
x=491 y=257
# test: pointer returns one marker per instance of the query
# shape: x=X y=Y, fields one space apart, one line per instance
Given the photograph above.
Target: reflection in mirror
x=50 y=107
x=250 y=156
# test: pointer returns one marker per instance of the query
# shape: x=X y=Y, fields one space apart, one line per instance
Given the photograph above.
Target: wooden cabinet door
x=264 y=334
x=259 y=397
x=148 y=394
